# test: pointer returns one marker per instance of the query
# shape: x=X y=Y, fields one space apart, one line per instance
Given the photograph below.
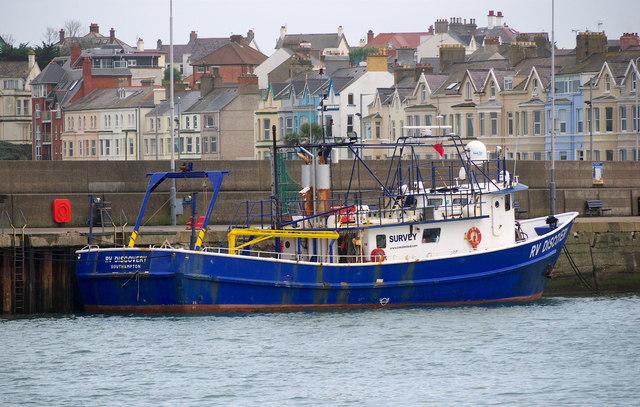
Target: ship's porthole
x=497 y=204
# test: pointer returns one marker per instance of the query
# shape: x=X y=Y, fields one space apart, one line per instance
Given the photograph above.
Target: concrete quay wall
x=30 y=187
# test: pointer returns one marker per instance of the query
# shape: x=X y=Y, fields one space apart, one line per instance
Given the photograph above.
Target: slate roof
x=214 y=101
x=233 y=54
x=108 y=99
x=14 y=69
x=318 y=41
x=198 y=48
x=52 y=73
x=397 y=40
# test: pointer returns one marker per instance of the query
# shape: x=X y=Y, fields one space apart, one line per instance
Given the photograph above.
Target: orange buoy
x=474 y=236
x=61 y=210
x=378 y=255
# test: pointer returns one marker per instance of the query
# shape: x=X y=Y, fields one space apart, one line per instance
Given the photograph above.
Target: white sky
x=27 y=20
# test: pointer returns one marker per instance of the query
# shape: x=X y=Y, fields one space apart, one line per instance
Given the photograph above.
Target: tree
x=45 y=54
x=11 y=53
x=72 y=28
x=9 y=151
x=50 y=36
x=314 y=130
x=177 y=77
x=358 y=55
x=8 y=39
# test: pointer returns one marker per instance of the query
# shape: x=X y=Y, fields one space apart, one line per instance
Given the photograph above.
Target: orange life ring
x=474 y=236
x=378 y=255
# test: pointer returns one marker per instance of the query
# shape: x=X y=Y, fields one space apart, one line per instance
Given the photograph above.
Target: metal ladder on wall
x=19 y=269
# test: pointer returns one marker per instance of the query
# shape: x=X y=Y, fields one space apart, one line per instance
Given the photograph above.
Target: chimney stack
x=283 y=31
x=237 y=39
x=340 y=31
x=451 y=54
x=248 y=84
x=491 y=19
x=61 y=35
x=87 y=77
x=75 y=53
x=250 y=36
x=589 y=43
x=442 y=26
x=159 y=44
x=193 y=36
x=94 y=28
x=32 y=58
x=369 y=36
x=629 y=40
x=112 y=35
x=499 y=19
x=140 y=44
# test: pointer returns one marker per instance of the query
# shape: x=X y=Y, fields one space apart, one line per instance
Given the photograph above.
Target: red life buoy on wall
x=378 y=255
x=474 y=236
x=61 y=210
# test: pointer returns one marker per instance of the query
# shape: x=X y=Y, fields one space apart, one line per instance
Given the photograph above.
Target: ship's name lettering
x=125 y=259
x=407 y=237
x=548 y=244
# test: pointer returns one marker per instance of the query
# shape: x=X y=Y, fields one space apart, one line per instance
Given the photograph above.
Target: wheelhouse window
x=431 y=235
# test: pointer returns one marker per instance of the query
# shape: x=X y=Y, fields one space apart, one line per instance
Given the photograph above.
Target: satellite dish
x=462 y=174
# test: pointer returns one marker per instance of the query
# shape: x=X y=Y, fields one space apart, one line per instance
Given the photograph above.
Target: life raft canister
x=378 y=255
x=474 y=236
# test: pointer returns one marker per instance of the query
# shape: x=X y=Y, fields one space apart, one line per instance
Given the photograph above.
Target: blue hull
x=169 y=280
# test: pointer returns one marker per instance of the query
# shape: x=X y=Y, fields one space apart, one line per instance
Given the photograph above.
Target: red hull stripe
x=229 y=308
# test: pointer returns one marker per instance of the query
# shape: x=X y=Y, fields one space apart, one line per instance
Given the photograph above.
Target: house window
x=537 y=122
x=535 y=88
x=563 y=155
x=205 y=145
x=494 y=123
x=189 y=144
x=37 y=111
x=378 y=128
x=607 y=83
x=11 y=84
x=214 y=144
x=266 y=129
x=201 y=69
x=93 y=147
x=596 y=116
x=349 y=125
x=187 y=122
x=211 y=121
x=608 y=118
x=470 y=125
x=510 y=124
x=580 y=120
x=623 y=118
x=350 y=99
x=492 y=90
x=609 y=154
x=508 y=83
x=482 y=125
x=562 y=119
x=468 y=91
x=195 y=122
x=525 y=123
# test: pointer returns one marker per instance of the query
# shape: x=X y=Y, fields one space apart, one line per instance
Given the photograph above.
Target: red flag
x=439 y=149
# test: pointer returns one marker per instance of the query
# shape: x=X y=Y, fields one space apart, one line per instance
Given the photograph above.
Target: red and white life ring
x=474 y=236
x=378 y=255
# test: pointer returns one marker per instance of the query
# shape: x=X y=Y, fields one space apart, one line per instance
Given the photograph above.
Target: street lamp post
x=172 y=189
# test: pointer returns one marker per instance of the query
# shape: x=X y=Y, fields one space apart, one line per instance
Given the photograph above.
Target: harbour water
x=553 y=352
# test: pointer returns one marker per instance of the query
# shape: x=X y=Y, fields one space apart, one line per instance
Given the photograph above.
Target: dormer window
x=508 y=83
x=607 y=83
x=634 y=82
x=535 y=88
x=468 y=88
x=492 y=91
x=121 y=93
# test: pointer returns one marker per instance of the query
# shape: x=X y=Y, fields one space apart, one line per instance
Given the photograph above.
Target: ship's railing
x=327 y=258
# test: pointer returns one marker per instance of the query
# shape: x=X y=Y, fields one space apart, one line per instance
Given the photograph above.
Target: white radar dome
x=477 y=151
